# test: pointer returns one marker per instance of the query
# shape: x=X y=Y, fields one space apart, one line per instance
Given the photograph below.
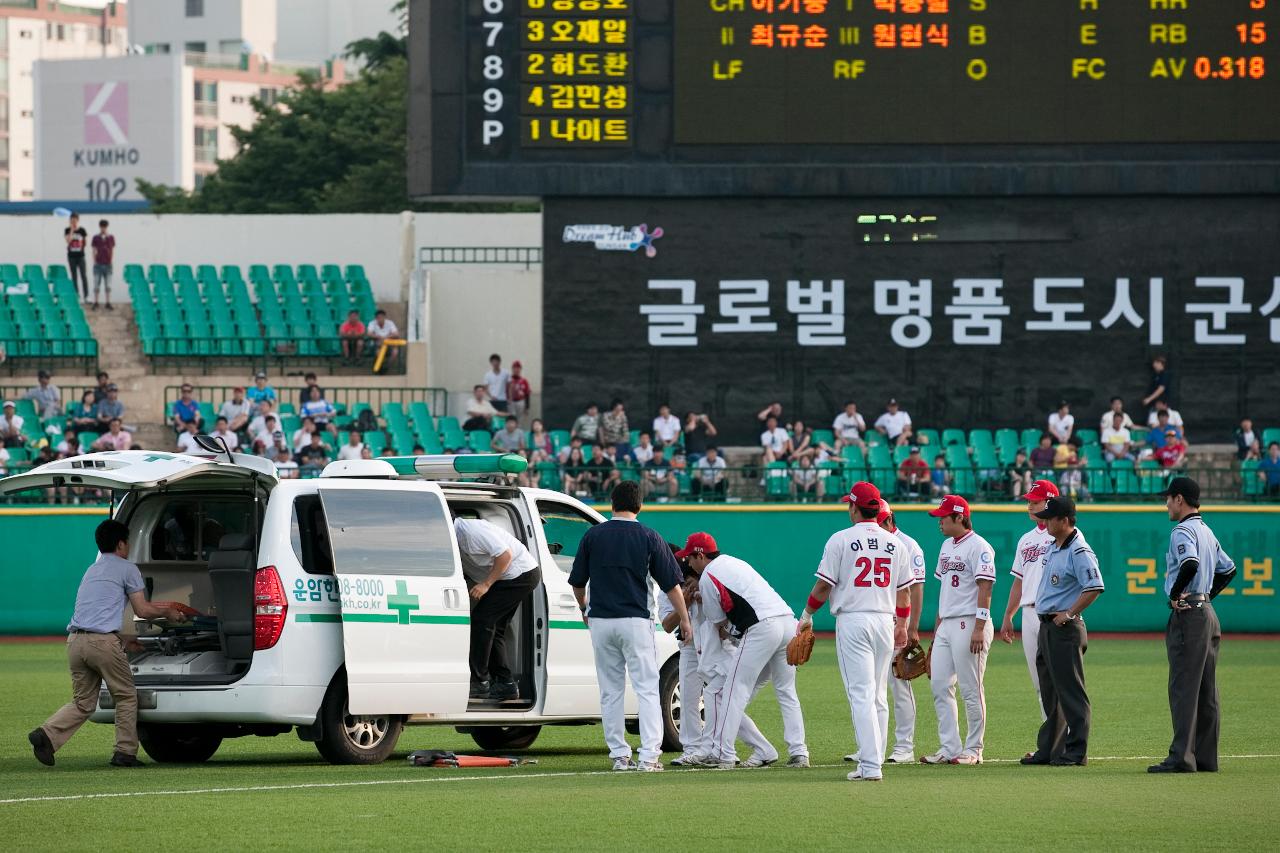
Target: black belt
x=1195 y=600
x=1047 y=617
x=103 y=633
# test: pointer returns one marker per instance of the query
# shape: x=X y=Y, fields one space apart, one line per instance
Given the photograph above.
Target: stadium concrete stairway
x=120 y=354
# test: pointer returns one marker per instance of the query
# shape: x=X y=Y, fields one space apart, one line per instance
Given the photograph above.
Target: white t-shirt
x=642 y=454
x=866 y=565
x=14 y=422
x=385 y=329
x=1060 y=425
x=232 y=440
x=1028 y=563
x=187 y=444
x=849 y=428
x=287 y=470
x=961 y=564
x=775 y=439
x=1105 y=422
x=1175 y=419
x=497 y=384
x=481 y=542
x=916 y=554
x=350 y=452
x=666 y=429
x=301 y=439
x=725 y=575
x=894 y=424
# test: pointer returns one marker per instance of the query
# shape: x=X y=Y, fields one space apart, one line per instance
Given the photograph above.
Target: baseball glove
x=800 y=648
x=911 y=662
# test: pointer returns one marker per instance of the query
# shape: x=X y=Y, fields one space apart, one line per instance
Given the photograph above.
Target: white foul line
x=494 y=778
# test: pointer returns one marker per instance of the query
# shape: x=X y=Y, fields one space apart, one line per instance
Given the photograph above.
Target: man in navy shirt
x=618 y=558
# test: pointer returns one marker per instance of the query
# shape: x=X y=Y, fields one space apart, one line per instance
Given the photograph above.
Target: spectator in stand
x=70 y=445
x=540 y=440
x=659 y=477
x=644 y=450
x=115 y=438
x=940 y=477
x=109 y=408
x=1269 y=470
x=1117 y=442
x=366 y=452
x=518 y=391
x=1117 y=408
x=302 y=435
x=1066 y=461
x=575 y=443
x=849 y=427
x=495 y=381
x=315 y=454
x=104 y=249
x=805 y=479
x=261 y=393
x=480 y=412
x=186 y=409
x=100 y=390
x=666 y=427
x=709 y=475
x=11 y=424
x=237 y=410
x=1019 y=473
x=615 y=431
x=381 y=328
x=1062 y=424
x=804 y=447
x=279 y=442
x=574 y=466
x=913 y=475
x=1173 y=452
x=775 y=441
x=264 y=438
x=321 y=411
x=1158 y=436
x=1042 y=457
x=46 y=396
x=1175 y=417
x=773 y=410
x=76 y=238
x=509 y=439
x=1247 y=444
x=352 y=334
x=600 y=474
x=353 y=447
x=286 y=468
x=312 y=381
x=698 y=432
x=1160 y=387
x=222 y=430
x=587 y=425
x=187 y=438
x=258 y=422
x=4 y=461
x=894 y=424
x=84 y=415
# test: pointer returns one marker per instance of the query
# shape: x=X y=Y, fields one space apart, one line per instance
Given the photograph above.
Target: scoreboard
x=834 y=97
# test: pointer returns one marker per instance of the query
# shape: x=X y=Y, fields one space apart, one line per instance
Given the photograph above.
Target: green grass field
x=276 y=792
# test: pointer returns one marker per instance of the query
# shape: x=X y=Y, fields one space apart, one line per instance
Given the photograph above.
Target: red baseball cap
x=1041 y=490
x=697 y=543
x=885 y=512
x=951 y=505
x=516 y=364
x=863 y=494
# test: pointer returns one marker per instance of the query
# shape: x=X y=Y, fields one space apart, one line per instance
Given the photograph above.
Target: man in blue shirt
x=618 y=558
x=1069 y=582
x=1196 y=570
x=95 y=650
x=186 y=410
x=1269 y=470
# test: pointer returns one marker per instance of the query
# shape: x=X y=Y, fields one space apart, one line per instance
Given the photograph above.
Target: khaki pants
x=95 y=658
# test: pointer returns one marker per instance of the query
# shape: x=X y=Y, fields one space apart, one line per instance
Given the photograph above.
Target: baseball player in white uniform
x=1027 y=563
x=691 y=680
x=963 y=632
x=866 y=574
x=734 y=595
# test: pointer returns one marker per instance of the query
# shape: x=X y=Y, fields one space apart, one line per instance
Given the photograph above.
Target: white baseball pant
x=761 y=657
x=748 y=732
x=625 y=647
x=1030 y=642
x=864 y=649
x=692 y=687
x=953 y=662
x=904 y=716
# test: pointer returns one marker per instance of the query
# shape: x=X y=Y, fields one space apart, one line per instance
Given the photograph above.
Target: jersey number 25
x=880 y=570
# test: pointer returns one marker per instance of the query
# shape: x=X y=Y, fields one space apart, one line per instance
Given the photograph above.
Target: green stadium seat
x=1087 y=436
x=777 y=481
x=823 y=436
x=900 y=454
x=981 y=438
x=548 y=475
x=1251 y=484
x=376 y=441
x=1124 y=478
x=1031 y=438
x=835 y=481
x=880 y=468
x=431 y=443
x=1152 y=477
x=480 y=441
x=853 y=457
x=1269 y=435
x=954 y=436
x=393 y=411
x=559 y=438
x=963 y=480
x=928 y=438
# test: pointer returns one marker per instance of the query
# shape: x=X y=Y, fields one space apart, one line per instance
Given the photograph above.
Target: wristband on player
x=902 y=612
x=984 y=614
x=813 y=606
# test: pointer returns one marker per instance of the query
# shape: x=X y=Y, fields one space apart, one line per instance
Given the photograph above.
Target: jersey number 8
x=880 y=569
x=955 y=580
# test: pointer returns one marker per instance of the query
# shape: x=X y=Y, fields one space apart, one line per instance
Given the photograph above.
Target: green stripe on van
x=427 y=619
x=385 y=618
x=573 y=625
x=317 y=617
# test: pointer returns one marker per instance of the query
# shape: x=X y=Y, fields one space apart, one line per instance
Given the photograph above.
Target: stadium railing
x=261 y=353
x=347 y=399
x=528 y=256
x=22 y=355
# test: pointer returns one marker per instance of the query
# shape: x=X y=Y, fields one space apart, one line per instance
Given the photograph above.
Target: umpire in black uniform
x=1196 y=570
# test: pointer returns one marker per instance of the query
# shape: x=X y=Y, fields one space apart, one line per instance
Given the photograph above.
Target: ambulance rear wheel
x=669 y=700
x=347 y=738
x=493 y=738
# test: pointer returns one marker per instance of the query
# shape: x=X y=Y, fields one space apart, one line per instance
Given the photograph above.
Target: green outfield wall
x=46 y=550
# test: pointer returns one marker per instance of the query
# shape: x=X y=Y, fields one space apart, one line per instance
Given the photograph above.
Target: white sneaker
x=853 y=756
x=856 y=776
x=967 y=758
x=687 y=759
x=724 y=765
x=901 y=758
x=938 y=757
x=624 y=764
x=798 y=761
x=757 y=761
x=650 y=767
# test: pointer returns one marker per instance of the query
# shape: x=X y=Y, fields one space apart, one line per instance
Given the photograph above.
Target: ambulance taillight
x=270 y=608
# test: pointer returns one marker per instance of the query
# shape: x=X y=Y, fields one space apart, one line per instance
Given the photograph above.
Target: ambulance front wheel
x=669 y=699
x=354 y=739
x=493 y=738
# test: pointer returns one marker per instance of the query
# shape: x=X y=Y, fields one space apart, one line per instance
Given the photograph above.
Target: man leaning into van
x=501 y=573
x=95 y=650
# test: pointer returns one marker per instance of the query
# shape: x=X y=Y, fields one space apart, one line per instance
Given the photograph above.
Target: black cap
x=1058 y=506
x=1185 y=486
x=42 y=374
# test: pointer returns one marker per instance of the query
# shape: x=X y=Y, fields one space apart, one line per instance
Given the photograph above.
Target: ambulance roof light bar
x=448 y=467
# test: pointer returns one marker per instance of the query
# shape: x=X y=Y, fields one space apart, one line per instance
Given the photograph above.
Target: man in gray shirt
x=510 y=439
x=95 y=650
x=110 y=408
x=46 y=396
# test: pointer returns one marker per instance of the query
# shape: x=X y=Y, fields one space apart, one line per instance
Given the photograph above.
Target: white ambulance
x=337 y=606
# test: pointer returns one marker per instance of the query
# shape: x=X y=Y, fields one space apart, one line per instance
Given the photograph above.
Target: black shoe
x=1030 y=758
x=120 y=759
x=479 y=690
x=503 y=690
x=93 y=306
x=109 y=308
x=41 y=746
x=1067 y=762
x=1165 y=768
